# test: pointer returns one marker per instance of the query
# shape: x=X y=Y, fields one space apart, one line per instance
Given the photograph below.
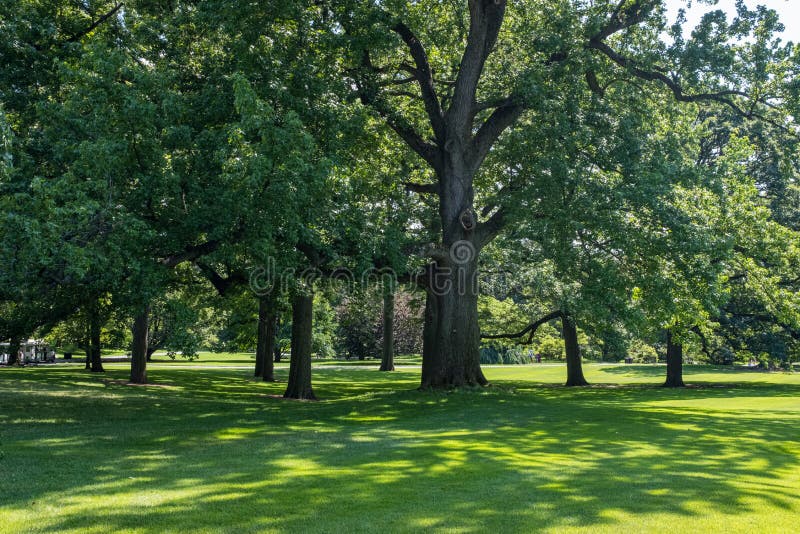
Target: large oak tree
x=450 y=79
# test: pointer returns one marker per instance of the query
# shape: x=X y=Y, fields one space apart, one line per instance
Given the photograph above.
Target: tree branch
x=370 y=95
x=432 y=189
x=530 y=329
x=83 y=33
x=500 y=119
x=507 y=111
x=672 y=85
x=764 y=318
x=703 y=341
x=191 y=253
x=624 y=17
x=221 y=284
x=489 y=229
x=486 y=18
x=634 y=13
x=424 y=76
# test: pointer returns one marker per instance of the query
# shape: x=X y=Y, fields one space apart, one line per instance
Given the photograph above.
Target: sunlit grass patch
x=216 y=451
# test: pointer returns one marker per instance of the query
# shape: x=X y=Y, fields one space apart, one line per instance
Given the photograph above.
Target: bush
x=358 y=319
x=551 y=348
x=491 y=355
x=499 y=354
x=324 y=329
x=641 y=352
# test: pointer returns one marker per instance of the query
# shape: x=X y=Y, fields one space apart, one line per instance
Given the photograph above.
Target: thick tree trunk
x=150 y=352
x=451 y=340
x=13 y=351
x=674 y=363
x=455 y=152
x=95 y=327
x=265 y=346
x=139 y=349
x=387 y=357
x=574 y=366
x=299 y=386
x=451 y=336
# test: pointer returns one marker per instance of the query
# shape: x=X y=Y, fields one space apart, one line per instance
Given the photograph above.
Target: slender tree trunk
x=272 y=330
x=278 y=354
x=87 y=347
x=387 y=357
x=261 y=332
x=139 y=349
x=266 y=339
x=674 y=363
x=277 y=349
x=95 y=327
x=13 y=351
x=604 y=352
x=574 y=366
x=299 y=386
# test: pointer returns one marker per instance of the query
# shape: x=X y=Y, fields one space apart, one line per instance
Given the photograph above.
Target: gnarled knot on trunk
x=468 y=219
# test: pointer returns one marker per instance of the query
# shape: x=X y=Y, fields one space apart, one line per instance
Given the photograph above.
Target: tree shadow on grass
x=660 y=370
x=212 y=455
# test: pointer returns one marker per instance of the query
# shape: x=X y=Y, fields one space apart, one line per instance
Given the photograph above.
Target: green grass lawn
x=241 y=359
x=210 y=450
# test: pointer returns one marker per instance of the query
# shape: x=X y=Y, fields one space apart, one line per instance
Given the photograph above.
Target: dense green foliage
x=537 y=183
x=153 y=153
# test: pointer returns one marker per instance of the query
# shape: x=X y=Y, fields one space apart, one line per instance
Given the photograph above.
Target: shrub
x=641 y=352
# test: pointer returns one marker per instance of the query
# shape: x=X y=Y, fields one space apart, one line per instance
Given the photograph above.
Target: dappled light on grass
x=214 y=454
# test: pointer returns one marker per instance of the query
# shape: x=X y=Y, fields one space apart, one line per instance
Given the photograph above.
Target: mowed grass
x=210 y=450
x=247 y=359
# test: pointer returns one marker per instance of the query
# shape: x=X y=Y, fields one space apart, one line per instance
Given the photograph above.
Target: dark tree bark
x=277 y=349
x=139 y=350
x=269 y=368
x=265 y=346
x=95 y=327
x=13 y=351
x=455 y=153
x=387 y=356
x=674 y=363
x=87 y=347
x=458 y=138
x=574 y=366
x=530 y=330
x=277 y=346
x=261 y=332
x=299 y=386
x=150 y=352
x=451 y=337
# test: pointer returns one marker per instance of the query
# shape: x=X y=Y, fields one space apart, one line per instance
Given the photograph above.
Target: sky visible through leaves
x=788 y=11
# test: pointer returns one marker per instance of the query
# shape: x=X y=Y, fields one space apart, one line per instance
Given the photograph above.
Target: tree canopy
x=634 y=178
